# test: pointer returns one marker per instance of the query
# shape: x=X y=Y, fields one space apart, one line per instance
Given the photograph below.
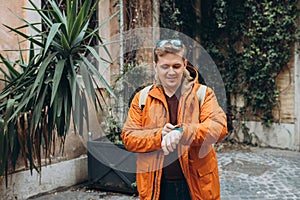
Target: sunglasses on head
x=174 y=42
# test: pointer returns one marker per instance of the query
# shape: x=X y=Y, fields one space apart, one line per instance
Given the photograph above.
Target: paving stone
x=257 y=175
x=274 y=173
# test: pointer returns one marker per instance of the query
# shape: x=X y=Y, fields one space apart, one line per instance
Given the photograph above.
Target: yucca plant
x=53 y=86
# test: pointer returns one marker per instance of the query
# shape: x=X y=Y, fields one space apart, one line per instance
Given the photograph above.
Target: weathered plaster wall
x=8 y=40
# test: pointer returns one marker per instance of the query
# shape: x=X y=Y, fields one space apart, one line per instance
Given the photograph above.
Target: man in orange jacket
x=174 y=133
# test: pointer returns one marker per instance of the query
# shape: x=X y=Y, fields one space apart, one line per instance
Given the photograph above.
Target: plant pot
x=111 y=167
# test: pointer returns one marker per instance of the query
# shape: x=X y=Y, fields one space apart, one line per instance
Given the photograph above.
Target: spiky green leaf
x=41 y=73
x=37 y=110
x=30 y=38
x=87 y=81
x=57 y=77
x=52 y=33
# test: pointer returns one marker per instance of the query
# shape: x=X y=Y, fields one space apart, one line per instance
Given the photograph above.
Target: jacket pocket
x=205 y=186
x=209 y=184
x=205 y=178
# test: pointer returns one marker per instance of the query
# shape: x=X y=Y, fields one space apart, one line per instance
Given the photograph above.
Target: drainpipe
x=297 y=89
x=121 y=36
x=297 y=98
x=121 y=111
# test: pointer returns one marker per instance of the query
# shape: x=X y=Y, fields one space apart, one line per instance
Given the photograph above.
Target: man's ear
x=185 y=62
x=154 y=66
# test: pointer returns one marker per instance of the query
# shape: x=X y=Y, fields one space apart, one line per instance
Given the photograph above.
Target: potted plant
x=110 y=166
x=54 y=86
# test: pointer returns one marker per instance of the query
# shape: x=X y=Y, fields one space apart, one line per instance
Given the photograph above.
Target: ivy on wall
x=251 y=43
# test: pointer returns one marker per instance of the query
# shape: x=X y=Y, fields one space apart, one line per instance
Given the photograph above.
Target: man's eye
x=165 y=66
x=176 y=66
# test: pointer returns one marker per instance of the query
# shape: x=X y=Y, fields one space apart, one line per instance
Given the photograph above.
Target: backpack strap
x=144 y=95
x=201 y=94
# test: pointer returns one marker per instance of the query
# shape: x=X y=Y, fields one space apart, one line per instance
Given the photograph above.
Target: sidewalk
x=253 y=173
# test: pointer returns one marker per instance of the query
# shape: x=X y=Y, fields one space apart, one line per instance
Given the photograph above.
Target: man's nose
x=171 y=70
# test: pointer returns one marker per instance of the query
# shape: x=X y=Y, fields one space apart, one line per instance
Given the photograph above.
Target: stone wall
x=285 y=111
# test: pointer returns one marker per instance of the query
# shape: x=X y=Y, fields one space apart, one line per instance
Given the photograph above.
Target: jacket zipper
x=156 y=175
x=180 y=152
x=186 y=175
x=157 y=172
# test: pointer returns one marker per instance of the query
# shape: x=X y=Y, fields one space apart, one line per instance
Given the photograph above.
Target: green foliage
x=259 y=37
x=48 y=92
x=251 y=43
x=173 y=21
x=112 y=126
x=125 y=87
x=134 y=184
x=220 y=11
x=180 y=16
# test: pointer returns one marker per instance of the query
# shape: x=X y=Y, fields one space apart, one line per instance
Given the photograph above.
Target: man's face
x=169 y=69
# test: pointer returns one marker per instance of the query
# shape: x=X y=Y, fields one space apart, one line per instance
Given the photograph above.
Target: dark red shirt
x=172 y=170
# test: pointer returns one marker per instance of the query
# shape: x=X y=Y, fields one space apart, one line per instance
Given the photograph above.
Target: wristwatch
x=180 y=129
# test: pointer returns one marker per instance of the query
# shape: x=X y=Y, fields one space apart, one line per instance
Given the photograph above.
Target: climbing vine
x=251 y=43
x=270 y=34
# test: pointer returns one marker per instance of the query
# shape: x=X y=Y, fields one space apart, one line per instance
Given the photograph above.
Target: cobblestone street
x=260 y=174
x=251 y=174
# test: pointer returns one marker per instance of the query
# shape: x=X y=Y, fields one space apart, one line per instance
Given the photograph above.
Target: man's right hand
x=167 y=128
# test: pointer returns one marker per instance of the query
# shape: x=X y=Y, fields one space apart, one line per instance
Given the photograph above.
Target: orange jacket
x=202 y=127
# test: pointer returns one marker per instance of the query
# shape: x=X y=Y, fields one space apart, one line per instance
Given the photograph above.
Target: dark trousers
x=174 y=190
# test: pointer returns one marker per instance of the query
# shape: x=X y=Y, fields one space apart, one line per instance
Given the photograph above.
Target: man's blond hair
x=169 y=48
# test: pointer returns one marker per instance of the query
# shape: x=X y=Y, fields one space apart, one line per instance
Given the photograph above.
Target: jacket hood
x=190 y=77
x=192 y=72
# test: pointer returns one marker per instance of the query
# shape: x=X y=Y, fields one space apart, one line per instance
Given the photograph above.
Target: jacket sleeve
x=212 y=127
x=137 y=138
